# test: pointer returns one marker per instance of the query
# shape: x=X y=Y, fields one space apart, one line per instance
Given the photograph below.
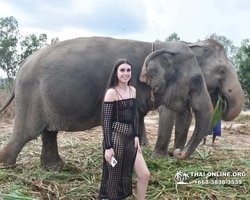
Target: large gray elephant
x=221 y=79
x=61 y=88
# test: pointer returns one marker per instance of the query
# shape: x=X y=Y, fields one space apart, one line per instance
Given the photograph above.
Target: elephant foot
x=159 y=155
x=6 y=159
x=52 y=163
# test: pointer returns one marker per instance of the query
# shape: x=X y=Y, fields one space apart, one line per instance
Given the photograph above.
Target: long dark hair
x=113 y=79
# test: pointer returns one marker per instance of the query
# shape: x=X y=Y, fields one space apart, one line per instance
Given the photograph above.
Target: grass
x=80 y=178
x=242 y=119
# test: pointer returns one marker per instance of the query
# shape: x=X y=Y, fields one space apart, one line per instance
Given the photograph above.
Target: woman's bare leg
x=143 y=175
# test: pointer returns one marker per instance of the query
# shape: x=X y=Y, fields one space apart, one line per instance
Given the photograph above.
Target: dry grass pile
x=8 y=114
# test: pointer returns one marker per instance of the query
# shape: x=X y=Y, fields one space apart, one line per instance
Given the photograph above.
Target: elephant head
x=176 y=75
x=220 y=76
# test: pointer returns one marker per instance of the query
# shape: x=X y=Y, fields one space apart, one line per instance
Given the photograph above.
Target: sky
x=144 y=20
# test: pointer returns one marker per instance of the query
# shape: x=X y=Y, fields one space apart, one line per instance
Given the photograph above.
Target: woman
x=121 y=138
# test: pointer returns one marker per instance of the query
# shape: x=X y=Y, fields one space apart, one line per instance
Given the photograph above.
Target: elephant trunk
x=234 y=98
x=203 y=118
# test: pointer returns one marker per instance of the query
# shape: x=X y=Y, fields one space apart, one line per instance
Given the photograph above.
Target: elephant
x=221 y=79
x=61 y=88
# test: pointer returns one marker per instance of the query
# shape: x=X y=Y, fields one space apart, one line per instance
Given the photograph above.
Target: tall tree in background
x=227 y=44
x=9 y=36
x=32 y=43
x=243 y=68
x=10 y=57
x=157 y=40
x=173 y=37
x=54 y=40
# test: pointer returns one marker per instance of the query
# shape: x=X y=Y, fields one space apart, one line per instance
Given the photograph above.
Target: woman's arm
x=108 y=117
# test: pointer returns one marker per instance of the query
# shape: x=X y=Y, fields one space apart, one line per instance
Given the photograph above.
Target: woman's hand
x=137 y=144
x=108 y=154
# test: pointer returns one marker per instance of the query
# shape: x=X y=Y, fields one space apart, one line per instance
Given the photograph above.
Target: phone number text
x=218 y=182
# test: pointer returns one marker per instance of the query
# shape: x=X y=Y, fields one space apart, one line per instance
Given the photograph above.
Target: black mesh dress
x=117 y=181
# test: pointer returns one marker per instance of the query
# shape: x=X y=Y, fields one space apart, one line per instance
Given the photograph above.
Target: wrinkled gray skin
x=221 y=78
x=61 y=88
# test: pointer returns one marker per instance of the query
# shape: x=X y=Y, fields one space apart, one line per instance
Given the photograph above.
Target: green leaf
x=16 y=195
x=217 y=114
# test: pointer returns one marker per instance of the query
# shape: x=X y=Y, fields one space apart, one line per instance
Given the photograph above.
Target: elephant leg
x=142 y=131
x=10 y=151
x=166 y=122
x=50 y=156
x=22 y=134
x=182 y=124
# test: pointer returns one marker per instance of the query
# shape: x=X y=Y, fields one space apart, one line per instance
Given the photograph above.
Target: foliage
x=204 y=154
x=9 y=36
x=6 y=83
x=31 y=43
x=10 y=41
x=173 y=37
x=243 y=68
x=157 y=40
x=242 y=119
x=54 y=40
x=227 y=44
x=16 y=195
x=3 y=83
x=217 y=113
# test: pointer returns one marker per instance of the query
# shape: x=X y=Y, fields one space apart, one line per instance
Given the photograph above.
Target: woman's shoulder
x=133 y=91
x=110 y=95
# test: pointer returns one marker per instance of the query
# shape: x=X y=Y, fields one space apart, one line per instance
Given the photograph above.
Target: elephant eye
x=221 y=71
x=196 y=82
x=152 y=71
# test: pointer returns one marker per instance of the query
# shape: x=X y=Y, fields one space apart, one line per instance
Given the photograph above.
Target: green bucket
x=245 y=109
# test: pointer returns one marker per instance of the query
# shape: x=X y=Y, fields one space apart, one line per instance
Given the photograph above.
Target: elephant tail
x=12 y=94
x=11 y=97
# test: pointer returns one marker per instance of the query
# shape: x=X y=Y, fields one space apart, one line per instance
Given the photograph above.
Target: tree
x=243 y=68
x=9 y=43
x=54 y=40
x=227 y=44
x=157 y=40
x=173 y=37
x=32 y=43
x=9 y=36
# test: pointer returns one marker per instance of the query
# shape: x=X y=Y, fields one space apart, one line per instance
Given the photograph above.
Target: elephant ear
x=203 y=44
x=157 y=68
x=200 y=50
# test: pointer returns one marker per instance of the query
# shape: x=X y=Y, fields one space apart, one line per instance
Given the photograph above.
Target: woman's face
x=124 y=73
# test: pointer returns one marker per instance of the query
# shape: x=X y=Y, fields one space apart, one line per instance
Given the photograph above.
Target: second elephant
x=221 y=79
